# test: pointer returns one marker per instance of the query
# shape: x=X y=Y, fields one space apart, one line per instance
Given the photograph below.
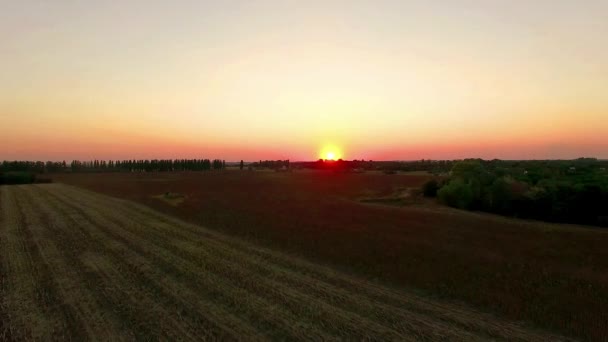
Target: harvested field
x=552 y=276
x=80 y=265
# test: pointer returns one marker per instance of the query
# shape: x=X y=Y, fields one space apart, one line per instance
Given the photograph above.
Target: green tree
x=468 y=170
x=499 y=196
x=456 y=194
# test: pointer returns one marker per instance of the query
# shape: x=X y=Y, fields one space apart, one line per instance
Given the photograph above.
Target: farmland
x=79 y=265
x=550 y=276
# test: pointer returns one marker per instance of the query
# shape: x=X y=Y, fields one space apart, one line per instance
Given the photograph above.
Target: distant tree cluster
x=145 y=165
x=573 y=191
x=337 y=165
x=141 y=165
x=32 y=166
x=433 y=166
x=272 y=164
x=26 y=172
x=390 y=167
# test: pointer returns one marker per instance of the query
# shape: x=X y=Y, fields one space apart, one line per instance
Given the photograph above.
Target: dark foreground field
x=77 y=265
x=547 y=275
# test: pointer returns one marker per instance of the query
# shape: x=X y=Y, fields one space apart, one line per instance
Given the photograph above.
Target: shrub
x=456 y=194
x=429 y=189
x=17 y=178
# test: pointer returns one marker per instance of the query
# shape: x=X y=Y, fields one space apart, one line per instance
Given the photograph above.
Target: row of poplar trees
x=148 y=165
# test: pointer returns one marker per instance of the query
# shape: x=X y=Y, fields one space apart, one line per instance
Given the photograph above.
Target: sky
x=382 y=80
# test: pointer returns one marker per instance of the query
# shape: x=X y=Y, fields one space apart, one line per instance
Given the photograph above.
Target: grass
x=171 y=198
x=77 y=265
x=547 y=275
x=400 y=197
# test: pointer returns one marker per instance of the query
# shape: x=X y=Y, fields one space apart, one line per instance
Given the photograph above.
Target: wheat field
x=77 y=265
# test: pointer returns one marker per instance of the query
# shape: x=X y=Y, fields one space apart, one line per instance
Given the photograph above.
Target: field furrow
x=75 y=287
x=5 y=323
x=144 y=299
x=30 y=297
x=79 y=265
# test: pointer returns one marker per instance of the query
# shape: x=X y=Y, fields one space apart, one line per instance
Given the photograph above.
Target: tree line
x=146 y=165
x=22 y=172
x=272 y=164
x=574 y=191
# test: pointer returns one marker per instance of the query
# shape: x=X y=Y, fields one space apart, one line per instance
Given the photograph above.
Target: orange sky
x=286 y=79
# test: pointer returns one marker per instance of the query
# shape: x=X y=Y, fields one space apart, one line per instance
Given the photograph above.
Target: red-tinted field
x=553 y=276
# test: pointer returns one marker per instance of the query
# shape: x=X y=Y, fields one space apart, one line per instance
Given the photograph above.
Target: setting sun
x=330 y=152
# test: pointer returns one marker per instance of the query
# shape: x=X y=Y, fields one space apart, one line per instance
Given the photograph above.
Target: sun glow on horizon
x=330 y=152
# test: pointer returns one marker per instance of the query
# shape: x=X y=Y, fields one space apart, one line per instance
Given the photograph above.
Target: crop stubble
x=76 y=264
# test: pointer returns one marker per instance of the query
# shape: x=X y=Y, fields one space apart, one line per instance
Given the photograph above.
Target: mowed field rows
x=79 y=265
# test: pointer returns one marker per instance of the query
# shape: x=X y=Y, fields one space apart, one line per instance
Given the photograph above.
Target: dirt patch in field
x=400 y=197
x=171 y=198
